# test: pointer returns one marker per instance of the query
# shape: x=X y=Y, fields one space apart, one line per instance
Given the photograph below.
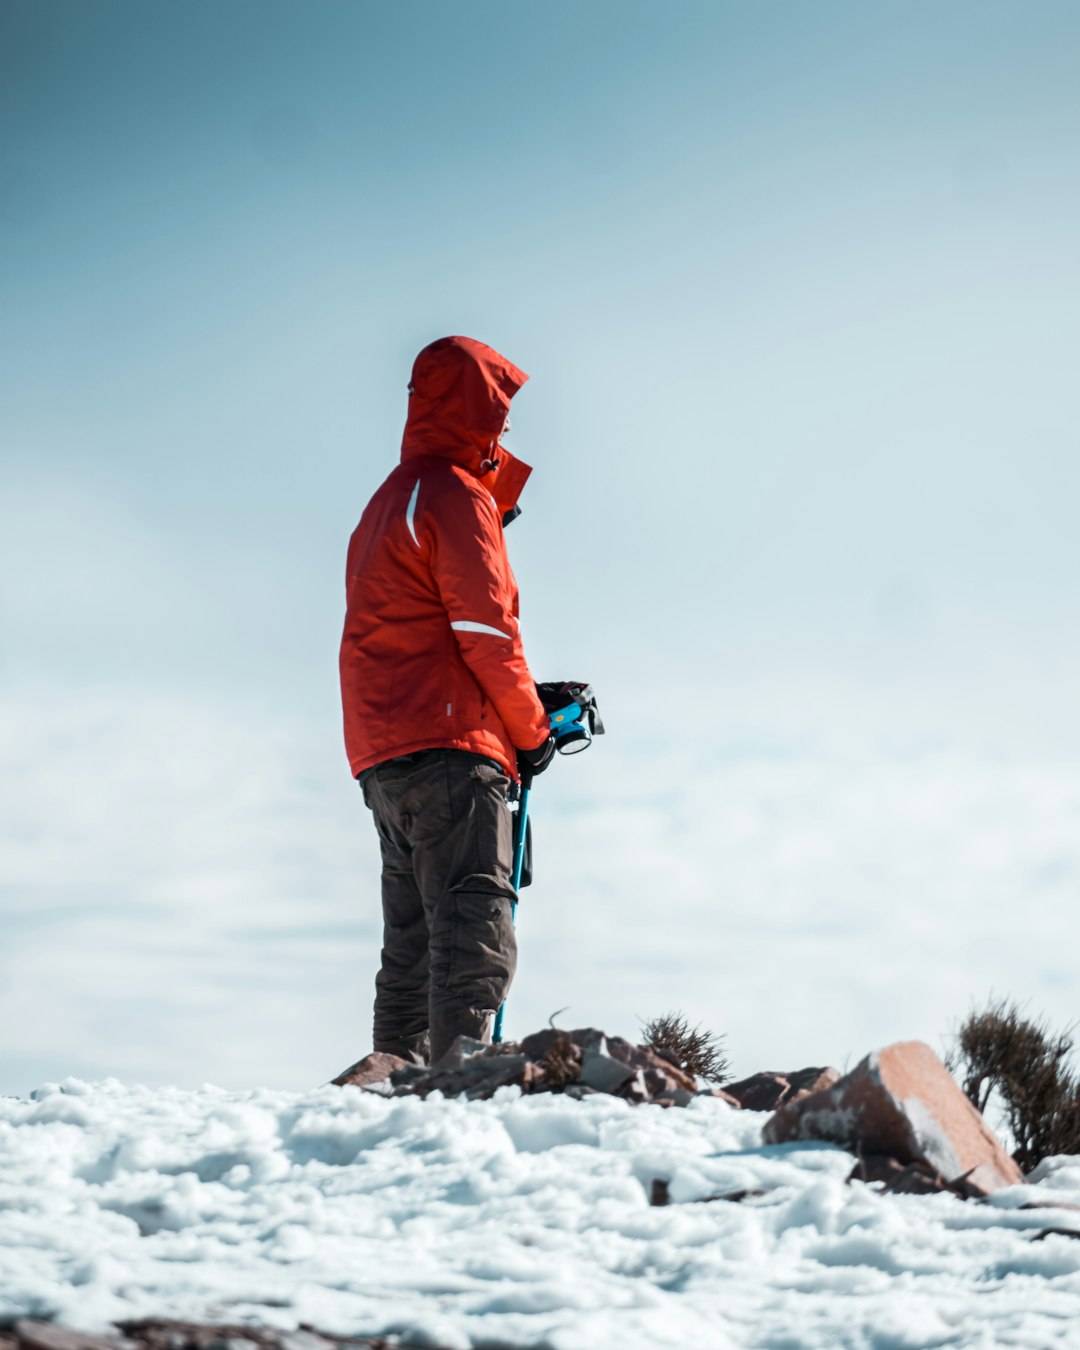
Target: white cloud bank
x=190 y=894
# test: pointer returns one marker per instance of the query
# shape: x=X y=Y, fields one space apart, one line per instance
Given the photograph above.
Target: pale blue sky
x=799 y=289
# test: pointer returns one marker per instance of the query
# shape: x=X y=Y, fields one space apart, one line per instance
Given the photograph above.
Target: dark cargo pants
x=449 y=952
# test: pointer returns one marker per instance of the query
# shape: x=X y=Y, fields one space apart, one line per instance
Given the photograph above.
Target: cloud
x=812 y=862
x=184 y=887
x=190 y=892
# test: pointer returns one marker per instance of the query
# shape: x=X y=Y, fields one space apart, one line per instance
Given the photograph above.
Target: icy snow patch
x=521 y=1220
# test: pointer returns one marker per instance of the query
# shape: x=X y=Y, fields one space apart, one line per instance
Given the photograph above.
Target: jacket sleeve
x=472 y=573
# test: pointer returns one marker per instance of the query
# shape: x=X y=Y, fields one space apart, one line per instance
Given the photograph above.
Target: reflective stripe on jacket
x=431 y=655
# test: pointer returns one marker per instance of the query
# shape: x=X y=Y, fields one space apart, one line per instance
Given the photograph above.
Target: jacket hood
x=459 y=397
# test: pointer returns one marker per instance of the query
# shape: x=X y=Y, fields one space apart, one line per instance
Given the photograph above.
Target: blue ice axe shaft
x=522 y=825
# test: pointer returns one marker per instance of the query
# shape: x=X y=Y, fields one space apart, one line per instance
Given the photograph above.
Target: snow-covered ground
x=522 y=1220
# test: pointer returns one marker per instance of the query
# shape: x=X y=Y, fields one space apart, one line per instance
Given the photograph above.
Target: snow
x=521 y=1220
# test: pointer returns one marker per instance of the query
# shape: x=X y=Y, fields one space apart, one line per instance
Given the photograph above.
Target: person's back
x=438 y=699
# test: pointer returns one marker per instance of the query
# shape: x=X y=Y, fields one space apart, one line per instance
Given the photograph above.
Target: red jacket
x=431 y=655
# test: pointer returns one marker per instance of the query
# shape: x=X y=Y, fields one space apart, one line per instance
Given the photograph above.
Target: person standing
x=441 y=712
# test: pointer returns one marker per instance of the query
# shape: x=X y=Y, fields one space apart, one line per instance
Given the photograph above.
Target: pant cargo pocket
x=482 y=948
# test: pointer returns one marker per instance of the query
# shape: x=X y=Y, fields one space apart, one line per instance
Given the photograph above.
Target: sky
x=798 y=289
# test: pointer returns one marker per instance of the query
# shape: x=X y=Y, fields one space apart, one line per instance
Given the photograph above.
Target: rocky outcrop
x=902 y=1103
x=578 y=1063
x=899 y=1111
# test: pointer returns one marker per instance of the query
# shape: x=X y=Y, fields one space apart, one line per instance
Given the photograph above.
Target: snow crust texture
x=515 y=1221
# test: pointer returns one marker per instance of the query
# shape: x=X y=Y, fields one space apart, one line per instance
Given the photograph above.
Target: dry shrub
x=1027 y=1066
x=562 y=1063
x=698 y=1053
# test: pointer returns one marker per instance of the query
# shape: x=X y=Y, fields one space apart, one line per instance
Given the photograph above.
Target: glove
x=532 y=762
x=556 y=694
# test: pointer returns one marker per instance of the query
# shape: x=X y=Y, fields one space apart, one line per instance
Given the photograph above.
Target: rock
x=760 y=1092
x=910 y=1179
x=477 y=1077
x=561 y=1063
x=305 y=1340
x=675 y=1097
x=635 y=1089
x=159 y=1334
x=903 y=1102
x=407 y=1076
x=770 y=1090
x=660 y=1194
x=374 y=1068
x=662 y=1052
x=48 y=1336
x=601 y=1070
x=539 y=1043
x=491 y=1074
x=462 y=1050
x=733 y=1197
x=661 y=1064
x=723 y=1095
x=917 y=1179
x=552 y=1060
x=805 y=1081
x=533 y=1079
x=586 y=1036
x=875 y=1167
x=1056 y=1232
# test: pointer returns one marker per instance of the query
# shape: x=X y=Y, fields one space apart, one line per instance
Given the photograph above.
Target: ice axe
x=574 y=719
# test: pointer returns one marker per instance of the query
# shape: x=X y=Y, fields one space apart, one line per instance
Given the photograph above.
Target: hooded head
x=459 y=400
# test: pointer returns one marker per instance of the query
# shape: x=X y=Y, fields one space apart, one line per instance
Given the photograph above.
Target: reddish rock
x=539 y=1043
x=533 y=1079
x=374 y=1068
x=723 y=1096
x=903 y=1102
x=662 y=1062
x=655 y=1063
